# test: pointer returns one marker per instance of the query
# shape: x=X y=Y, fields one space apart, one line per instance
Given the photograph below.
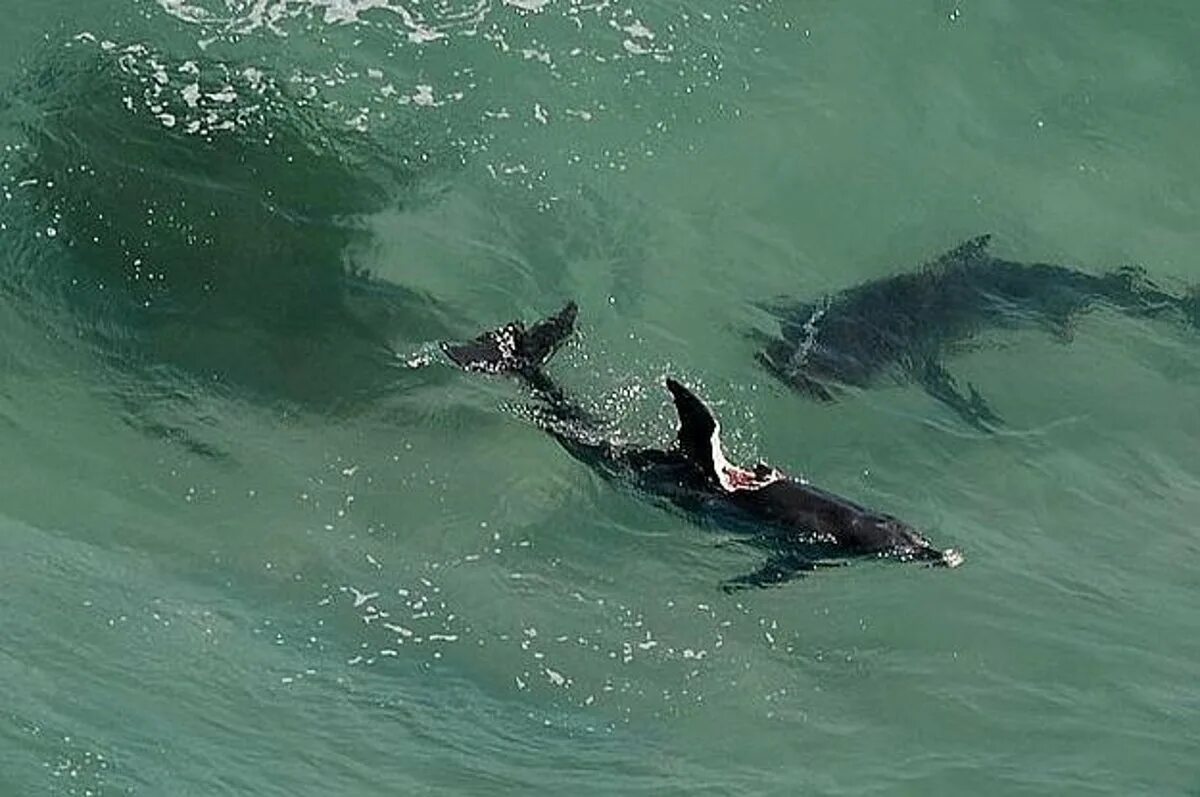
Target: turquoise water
x=257 y=538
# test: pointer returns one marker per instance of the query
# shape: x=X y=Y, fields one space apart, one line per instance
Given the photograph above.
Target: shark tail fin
x=1191 y=305
x=515 y=348
x=1131 y=289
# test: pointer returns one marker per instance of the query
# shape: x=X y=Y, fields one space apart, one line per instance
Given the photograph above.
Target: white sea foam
x=244 y=16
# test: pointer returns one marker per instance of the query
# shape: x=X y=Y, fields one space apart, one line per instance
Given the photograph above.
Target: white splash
x=245 y=16
x=361 y=597
x=528 y=5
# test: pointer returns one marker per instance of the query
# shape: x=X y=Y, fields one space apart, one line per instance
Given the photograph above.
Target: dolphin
x=802 y=527
x=901 y=327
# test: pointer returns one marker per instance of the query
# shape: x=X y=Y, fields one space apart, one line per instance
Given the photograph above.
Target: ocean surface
x=257 y=537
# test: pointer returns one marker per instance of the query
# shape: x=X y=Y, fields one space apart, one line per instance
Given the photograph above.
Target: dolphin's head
x=896 y=539
x=914 y=546
x=947 y=557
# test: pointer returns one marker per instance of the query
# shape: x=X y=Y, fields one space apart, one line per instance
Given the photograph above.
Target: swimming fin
x=515 y=348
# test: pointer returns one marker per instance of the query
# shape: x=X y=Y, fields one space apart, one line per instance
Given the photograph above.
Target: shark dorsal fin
x=967 y=254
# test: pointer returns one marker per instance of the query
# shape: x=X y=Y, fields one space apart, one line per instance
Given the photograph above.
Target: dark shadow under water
x=901 y=327
x=200 y=222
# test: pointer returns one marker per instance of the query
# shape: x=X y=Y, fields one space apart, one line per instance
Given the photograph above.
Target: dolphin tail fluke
x=515 y=348
x=545 y=337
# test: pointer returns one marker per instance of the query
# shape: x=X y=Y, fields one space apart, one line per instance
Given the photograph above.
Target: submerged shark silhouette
x=901 y=327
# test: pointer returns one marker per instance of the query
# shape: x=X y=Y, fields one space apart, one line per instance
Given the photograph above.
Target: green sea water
x=258 y=538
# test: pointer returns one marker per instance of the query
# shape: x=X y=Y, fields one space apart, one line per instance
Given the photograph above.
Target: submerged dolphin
x=902 y=326
x=800 y=525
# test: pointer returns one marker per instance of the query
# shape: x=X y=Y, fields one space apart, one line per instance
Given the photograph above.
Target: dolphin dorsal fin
x=699 y=432
x=699 y=440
